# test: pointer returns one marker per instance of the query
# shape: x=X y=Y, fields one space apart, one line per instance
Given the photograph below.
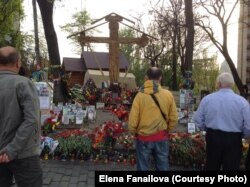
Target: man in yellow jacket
x=153 y=114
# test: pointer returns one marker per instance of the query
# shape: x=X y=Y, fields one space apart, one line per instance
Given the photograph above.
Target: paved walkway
x=75 y=173
x=78 y=173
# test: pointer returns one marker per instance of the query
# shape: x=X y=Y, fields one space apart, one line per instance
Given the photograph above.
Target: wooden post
x=114 y=64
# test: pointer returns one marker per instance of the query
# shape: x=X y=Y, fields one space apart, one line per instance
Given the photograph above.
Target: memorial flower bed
x=91 y=94
x=187 y=150
x=111 y=142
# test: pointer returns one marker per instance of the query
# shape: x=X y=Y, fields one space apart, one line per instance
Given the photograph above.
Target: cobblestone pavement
x=78 y=173
x=75 y=173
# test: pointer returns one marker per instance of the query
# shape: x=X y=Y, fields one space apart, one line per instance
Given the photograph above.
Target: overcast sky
x=96 y=8
x=99 y=8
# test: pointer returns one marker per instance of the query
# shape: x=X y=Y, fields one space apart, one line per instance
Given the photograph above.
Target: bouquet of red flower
x=49 y=124
x=106 y=135
x=121 y=113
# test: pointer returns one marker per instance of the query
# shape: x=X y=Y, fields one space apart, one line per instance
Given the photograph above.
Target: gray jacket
x=20 y=130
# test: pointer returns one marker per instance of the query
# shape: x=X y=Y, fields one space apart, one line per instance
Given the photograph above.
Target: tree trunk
x=190 y=35
x=235 y=74
x=37 y=47
x=230 y=62
x=46 y=8
x=174 y=76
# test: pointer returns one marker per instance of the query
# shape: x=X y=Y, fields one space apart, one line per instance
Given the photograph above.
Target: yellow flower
x=57 y=123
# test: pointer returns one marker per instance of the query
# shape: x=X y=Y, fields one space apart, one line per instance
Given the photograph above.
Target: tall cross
x=114 y=40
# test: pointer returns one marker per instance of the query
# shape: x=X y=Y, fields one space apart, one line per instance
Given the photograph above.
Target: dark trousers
x=224 y=150
x=27 y=172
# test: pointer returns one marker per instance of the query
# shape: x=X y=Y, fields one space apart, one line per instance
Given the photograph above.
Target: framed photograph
x=191 y=128
x=100 y=105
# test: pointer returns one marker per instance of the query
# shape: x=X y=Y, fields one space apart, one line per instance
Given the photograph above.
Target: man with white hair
x=225 y=116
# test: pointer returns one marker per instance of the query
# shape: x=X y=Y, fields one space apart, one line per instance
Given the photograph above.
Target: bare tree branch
x=222 y=47
x=231 y=12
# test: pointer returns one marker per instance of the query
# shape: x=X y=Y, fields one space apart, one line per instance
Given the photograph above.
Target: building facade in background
x=243 y=65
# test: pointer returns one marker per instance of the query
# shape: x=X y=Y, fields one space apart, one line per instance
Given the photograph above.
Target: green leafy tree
x=11 y=15
x=166 y=65
x=132 y=53
x=154 y=54
x=179 y=38
x=128 y=49
x=81 y=20
x=139 y=70
x=205 y=72
x=29 y=54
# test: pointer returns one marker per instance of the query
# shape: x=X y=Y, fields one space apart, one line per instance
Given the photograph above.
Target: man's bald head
x=9 y=56
x=154 y=73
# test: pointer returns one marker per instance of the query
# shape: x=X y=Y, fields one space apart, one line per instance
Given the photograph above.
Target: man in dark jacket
x=20 y=130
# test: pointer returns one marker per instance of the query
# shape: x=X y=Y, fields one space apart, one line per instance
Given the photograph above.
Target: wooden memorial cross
x=113 y=40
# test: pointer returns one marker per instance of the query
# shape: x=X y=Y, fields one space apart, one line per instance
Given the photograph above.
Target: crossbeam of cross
x=114 y=40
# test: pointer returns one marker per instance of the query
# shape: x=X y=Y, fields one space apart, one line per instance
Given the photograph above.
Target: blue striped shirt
x=224 y=110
